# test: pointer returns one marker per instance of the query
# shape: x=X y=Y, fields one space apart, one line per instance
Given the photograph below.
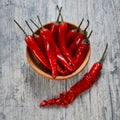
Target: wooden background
x=21 y=89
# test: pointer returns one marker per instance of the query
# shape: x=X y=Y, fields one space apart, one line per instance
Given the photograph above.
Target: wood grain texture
x=21 y=89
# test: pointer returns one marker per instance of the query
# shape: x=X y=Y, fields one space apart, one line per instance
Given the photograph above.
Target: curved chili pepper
x=60 y=57
x=71 y=35
x=84 y=84
x=62 y=42
x=82 y=51
x=50 y=49
x=62 y=39
x=37 y=51
x=73 y=47
x=30 y=41
x=37 y=37
x=81 y=35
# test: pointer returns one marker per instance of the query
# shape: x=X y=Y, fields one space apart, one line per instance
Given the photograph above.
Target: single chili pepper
x=62 y=40
x=82 y=51
x=55 y=26
x=60 y=57
x=84 y=84
x=30 y=41
x=49 y=47
x=81 y=35
x=38 y=37
x=71 y=35
x=50 y=50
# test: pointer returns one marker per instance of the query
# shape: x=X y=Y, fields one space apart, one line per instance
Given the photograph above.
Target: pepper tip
x=43 y=103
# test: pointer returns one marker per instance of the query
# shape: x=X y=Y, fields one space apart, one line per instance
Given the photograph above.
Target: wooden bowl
x=35 y=64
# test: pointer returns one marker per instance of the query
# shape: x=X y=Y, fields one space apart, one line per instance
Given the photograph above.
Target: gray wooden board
x=21 y=89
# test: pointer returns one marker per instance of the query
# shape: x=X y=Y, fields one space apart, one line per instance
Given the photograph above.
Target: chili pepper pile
x=84 y=84
x=59 y=48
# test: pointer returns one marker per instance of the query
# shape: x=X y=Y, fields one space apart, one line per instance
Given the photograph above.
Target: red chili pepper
x=72 y=34
x=62 y=42
x=81 y=35
x=30 y=41
x=82 y=51
x=73 y=47
x=60 y=57
x=55 y=26
x=50 y=50
x=62 y=38
x=49 y=47
x=84 y=84
x=37 y=37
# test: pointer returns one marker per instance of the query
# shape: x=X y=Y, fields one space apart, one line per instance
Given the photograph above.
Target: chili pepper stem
x=20 y=27
x=86 y=26
x=34 y=23
x=78 y=28
x=40 y=22
x=89 y=34
x=57 y=21
x=86 y=41
x=34 y=35
x=60 y=13
x=103 y=55
x=29 y=27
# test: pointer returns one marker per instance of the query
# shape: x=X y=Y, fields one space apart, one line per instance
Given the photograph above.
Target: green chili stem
x=78 y=28
x=103 y=55
x=40 y=22
x=20 y=27
x=34 y=23
x=29 y=27
x=86 y=26
x=59 y=15
x=89 y=34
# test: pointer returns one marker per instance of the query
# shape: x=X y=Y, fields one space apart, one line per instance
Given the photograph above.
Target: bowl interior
x=36 y=65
